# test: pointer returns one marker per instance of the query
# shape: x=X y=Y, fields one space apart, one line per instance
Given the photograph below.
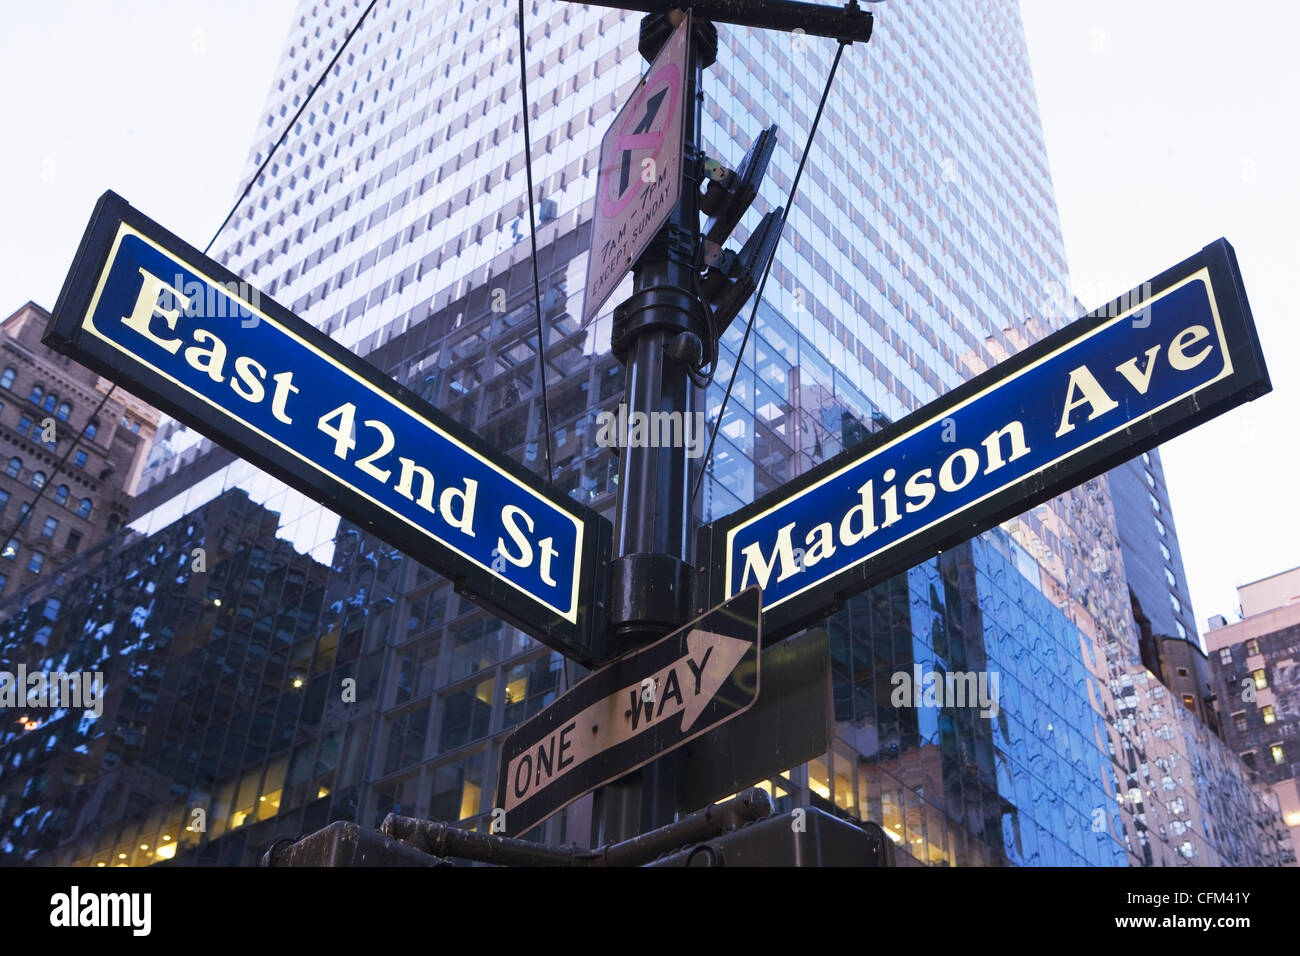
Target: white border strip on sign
x=1201 y=275
x=571 y=615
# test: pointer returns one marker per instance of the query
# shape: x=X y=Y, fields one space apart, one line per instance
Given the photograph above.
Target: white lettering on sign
x=161 y=315
x=685 y=687
x=208 y=354
x=795 y=551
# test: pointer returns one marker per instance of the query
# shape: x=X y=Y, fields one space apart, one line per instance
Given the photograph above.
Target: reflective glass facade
x=311 y=673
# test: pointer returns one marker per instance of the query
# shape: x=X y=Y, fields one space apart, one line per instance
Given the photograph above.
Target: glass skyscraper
x=923 y=247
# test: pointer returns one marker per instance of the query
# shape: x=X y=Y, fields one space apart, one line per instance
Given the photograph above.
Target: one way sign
x=632 y=711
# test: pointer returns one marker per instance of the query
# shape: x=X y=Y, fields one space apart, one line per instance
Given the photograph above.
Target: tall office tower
x=1157 y=584
x=315 y=673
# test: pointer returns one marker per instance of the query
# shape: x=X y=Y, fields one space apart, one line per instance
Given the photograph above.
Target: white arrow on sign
x=686 y=686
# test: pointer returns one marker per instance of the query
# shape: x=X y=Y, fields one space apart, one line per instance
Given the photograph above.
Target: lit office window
x=1252 y=647
x=1276 y=751
x=1268 y=714
x=1261 y=679
x=1239 y=721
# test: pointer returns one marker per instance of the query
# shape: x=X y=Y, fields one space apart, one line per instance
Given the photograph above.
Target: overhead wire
x=767 y=269
x=60 y=467
x=532 y=232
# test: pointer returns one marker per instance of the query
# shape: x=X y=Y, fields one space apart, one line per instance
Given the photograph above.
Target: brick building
x=46 y=400
x=1256 y=664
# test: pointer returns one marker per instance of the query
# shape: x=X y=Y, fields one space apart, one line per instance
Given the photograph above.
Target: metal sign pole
x=657 y=334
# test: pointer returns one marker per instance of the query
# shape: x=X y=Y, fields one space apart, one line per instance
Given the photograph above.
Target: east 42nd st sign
x=148 y=310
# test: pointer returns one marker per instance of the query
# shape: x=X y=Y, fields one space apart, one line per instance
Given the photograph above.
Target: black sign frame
x=582 y=640
x=1248 y=381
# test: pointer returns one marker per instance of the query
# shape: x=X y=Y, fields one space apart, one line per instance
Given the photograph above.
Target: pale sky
x=1169 y=123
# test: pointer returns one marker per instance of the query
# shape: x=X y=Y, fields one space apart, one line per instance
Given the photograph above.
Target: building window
x=24 y=426
x=1169 y=576
x=50 y=402
x=1248 y=758
x=36 y=394
x=1160 y=526
x=80 y=459
x=1252 y=647
x=38 y=480
x=15 y=466
x=1151 y=479
x=24 y=512
x=51 y=525
x=36 y=563
x=1239 y=721
x=84 y=508
x=4 y=499
x=74 y=541
x=1182 y=631
x=1176 y=604
x=1276 y=751
x=91 y=427
x=10 y=550
x=64 y=411
x=7 y=379
x=1261 y=679
x=1155 y=503
x=1268 y=714
x=1225 y=656
x=1189 y=702
x=1165 y=551
x=61 y=495
x=1182 y=672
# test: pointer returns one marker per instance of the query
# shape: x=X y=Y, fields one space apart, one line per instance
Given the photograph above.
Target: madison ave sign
x=148 y=310
x=1098 y=392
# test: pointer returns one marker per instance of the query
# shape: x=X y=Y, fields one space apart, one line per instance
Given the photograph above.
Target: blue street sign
x=1156 y=362
x=169 y=323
